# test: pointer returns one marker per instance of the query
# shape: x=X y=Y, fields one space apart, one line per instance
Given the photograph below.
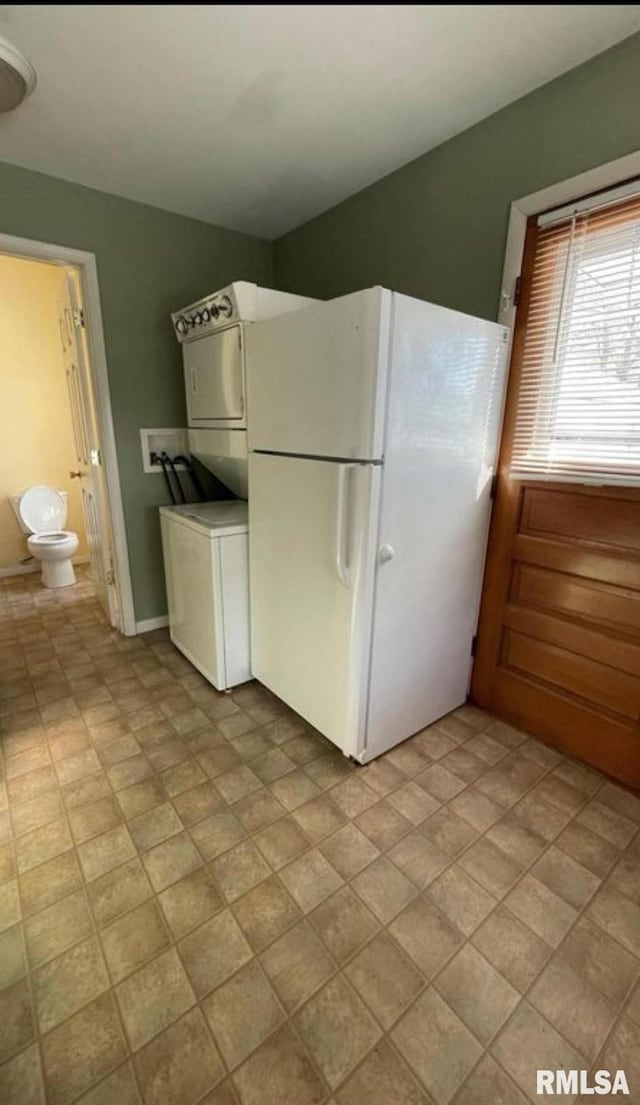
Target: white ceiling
x=259 y=117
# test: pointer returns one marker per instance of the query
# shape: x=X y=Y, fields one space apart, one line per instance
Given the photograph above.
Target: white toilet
x=42 y=512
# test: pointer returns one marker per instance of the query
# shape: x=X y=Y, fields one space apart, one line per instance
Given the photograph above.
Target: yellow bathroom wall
x=36 y=435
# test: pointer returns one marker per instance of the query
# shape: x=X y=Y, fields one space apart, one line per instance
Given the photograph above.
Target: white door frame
x=556 y=195
x=86 y=264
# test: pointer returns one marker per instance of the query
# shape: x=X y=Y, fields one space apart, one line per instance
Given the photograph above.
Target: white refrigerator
x=374 y=422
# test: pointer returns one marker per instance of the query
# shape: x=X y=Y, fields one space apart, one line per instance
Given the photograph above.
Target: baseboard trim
x=27 y=569
x=19 y=570
x=147 y=624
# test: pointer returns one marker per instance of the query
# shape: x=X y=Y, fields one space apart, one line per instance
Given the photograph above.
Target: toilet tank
x=15 y=503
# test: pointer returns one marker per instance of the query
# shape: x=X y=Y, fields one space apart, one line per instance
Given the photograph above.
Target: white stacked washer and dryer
x=205 y=544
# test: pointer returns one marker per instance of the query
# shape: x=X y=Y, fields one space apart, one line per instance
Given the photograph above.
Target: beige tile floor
x=202 y=901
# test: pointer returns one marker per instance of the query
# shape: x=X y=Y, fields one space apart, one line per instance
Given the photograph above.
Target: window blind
x=578 y=397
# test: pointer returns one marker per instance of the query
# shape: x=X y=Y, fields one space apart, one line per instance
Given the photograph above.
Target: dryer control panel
x=237 y=302
x=208 y=314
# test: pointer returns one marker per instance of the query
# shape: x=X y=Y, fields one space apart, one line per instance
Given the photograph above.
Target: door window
x=578 y=401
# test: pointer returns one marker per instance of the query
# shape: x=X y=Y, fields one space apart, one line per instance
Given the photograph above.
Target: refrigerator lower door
x=311 y=562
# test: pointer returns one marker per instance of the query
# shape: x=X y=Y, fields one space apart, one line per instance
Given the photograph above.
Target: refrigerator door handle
x=343 y=567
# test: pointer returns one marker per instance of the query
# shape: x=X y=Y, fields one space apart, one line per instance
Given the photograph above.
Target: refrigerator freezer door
x=316 y=379
x=311 y=561
x=445 y=406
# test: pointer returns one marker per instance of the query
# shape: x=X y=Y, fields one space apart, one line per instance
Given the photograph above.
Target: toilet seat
x=51 y=538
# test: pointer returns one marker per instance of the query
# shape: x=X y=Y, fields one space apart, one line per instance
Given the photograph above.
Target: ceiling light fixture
x=17 y=77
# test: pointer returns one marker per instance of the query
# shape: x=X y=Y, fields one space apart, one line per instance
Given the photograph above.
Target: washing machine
x=205 y=548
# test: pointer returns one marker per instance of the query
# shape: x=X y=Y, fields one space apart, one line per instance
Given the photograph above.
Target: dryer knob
x=182 y=325
x=225 y=307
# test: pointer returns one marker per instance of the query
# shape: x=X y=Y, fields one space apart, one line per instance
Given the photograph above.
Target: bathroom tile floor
x=202 y=901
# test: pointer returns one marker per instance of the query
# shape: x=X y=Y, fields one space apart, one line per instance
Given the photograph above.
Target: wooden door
x=558 y=650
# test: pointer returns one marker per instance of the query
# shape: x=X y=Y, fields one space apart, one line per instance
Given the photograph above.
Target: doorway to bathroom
x=55 y=427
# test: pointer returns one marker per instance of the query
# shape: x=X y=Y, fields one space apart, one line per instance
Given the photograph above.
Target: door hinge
x=494 y=486
x=474 y=644
x=78 y=318
x=517 y=291
x=111 y=574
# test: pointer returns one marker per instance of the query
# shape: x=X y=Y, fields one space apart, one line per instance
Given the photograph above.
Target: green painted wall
x=437 y=227
x=150 y=262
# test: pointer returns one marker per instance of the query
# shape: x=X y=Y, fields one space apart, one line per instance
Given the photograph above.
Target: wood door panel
x=613 y=747
x=559 y=631
x=590 y=600
x=578 y=675
x=603 y=647
x=571 y=514
x=577 y=560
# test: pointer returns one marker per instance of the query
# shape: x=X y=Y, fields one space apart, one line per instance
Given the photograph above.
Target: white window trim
x=556 y=195
x=86 y=264
x=545 y=428
x=564 y=192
